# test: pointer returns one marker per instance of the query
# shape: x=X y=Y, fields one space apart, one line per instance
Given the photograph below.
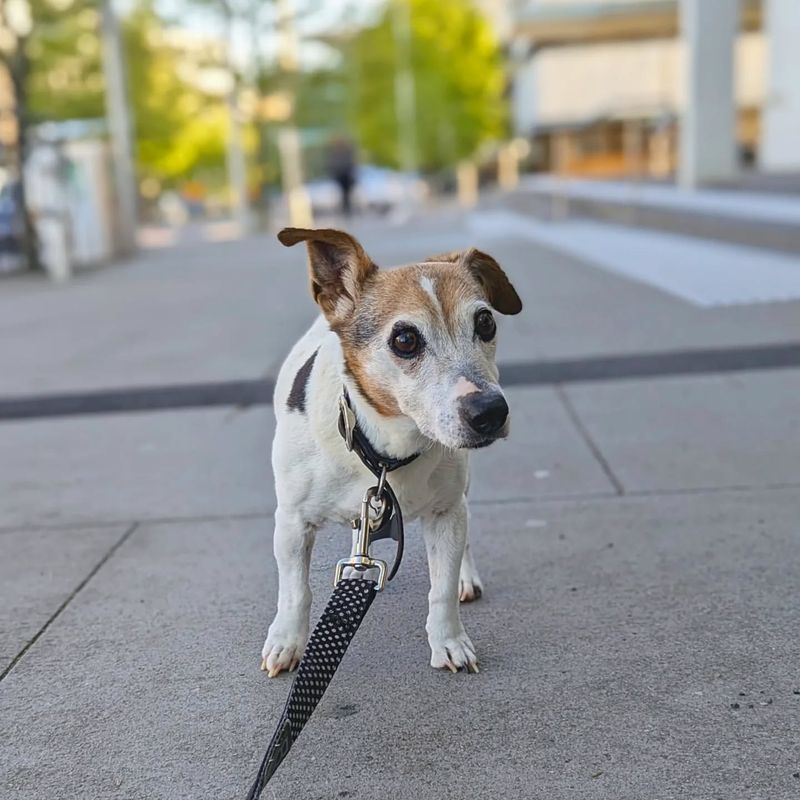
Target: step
x=702 y=272
x=770 y=221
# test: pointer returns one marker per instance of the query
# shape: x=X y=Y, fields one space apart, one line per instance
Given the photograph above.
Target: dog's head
x=418 y=340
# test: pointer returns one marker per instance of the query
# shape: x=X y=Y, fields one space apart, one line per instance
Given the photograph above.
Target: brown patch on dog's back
x=297 y=395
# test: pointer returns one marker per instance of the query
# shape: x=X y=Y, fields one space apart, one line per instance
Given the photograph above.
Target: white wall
x=578 y=82
x=780 y=149
x=534 y=3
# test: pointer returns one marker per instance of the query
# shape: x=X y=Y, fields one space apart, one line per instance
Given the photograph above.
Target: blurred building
x=697 y=88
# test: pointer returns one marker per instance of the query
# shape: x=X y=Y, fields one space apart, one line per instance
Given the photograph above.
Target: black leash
x=380 y=518
x=350 y=601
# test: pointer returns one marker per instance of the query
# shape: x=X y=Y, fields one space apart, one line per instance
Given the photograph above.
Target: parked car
x=383 y=190
x=377 y=189
x=12 y=227
x=323 y=194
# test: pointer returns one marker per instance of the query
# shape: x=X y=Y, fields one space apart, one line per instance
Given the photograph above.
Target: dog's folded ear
x=338 y=266
x=489 y=274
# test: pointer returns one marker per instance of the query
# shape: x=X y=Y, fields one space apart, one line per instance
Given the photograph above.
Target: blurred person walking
x=342 y=169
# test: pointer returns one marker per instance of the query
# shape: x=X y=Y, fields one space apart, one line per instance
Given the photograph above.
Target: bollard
x=467 y=181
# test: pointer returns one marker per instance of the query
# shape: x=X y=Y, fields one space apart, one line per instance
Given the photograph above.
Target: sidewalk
x=638 y=539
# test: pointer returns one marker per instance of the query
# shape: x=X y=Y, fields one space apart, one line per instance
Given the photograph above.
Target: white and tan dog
x=415 y=348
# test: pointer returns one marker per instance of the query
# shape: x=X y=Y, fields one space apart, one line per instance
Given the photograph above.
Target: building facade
x=698 y=89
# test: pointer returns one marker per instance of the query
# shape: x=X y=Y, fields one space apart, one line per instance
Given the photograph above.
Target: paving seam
x=72 y=595
x=636 y=494
x=107 y=523
x=588 y=439
x=247 y=393
x=529 y=500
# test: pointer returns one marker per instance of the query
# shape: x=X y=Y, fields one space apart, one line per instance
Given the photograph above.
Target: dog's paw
x=453 y=653
x=470 y=588
x=282 y=651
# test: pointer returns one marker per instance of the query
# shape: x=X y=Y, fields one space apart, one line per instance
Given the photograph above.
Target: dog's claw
x=455 y=654
x=263 y=666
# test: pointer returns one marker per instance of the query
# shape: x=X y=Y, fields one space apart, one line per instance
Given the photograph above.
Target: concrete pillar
x=633 y=148
x=659 y=153
x=780 y=147
x=562 y=152
x=508 y=167
x=467 y=183
x=523 y=93
x=708 y=150
x=121 y=129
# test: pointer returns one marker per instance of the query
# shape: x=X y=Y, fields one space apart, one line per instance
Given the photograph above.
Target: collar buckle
x=347 y=420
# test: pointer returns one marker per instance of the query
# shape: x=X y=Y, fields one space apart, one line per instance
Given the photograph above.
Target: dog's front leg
x=445 y=539
x=288 y=634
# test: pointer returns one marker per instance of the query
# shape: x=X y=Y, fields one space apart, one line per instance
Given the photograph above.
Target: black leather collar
x=357 y=441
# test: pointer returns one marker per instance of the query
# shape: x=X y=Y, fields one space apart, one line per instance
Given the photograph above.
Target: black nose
x=484 y=412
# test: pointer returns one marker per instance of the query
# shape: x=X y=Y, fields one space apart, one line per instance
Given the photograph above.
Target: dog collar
x=357 y=442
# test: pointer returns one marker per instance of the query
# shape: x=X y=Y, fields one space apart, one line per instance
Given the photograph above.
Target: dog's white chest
x=433 y=482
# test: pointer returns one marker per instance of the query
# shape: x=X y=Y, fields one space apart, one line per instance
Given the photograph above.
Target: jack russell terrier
x=414 y=348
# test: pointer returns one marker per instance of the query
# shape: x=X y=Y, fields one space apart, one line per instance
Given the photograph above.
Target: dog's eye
x=485 y=326
x=406 y=342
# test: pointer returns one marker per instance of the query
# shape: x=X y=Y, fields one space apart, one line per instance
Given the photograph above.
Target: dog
x=414 y=348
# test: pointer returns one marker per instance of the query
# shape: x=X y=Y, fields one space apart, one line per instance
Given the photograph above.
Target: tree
x=178 y=128
x=65 y=79
x=459 y=81
x=16 y=22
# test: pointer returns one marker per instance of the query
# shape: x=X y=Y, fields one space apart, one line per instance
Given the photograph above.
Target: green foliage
x=459 y=83
x=65 y=78
x=178 y=129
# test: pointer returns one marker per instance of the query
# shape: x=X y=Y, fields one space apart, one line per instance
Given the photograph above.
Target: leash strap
x=349 y=602
x=339 y=622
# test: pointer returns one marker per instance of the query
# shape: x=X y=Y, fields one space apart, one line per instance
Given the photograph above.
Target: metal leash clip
x=370 y=518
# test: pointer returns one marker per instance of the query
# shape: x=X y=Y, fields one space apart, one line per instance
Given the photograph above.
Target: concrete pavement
x=221 y=311
x=638 y=540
